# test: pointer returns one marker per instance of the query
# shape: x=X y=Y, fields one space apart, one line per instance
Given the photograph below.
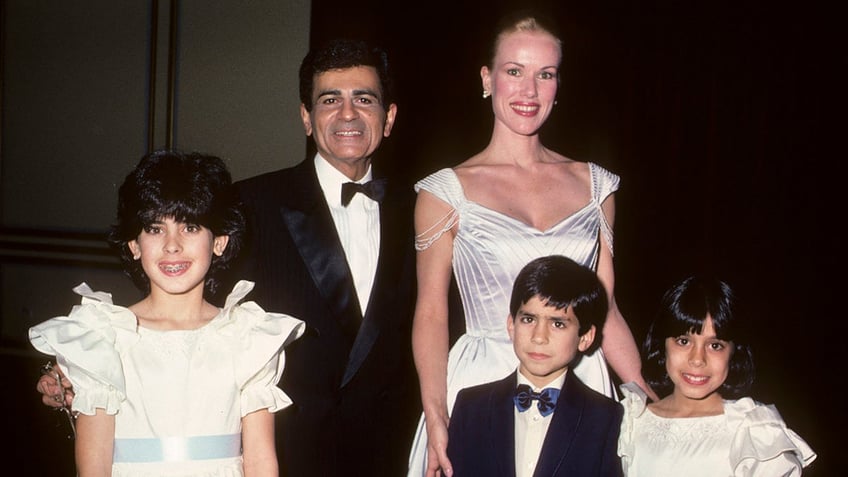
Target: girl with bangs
x=172 y=385
x=698 y=359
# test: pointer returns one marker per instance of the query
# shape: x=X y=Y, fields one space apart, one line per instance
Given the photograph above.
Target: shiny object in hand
x=49 y=370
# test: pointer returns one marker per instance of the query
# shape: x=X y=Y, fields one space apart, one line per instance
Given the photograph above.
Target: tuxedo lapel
x=503 y=425
x=388 y=275
x=563 y=429
x=311 y=227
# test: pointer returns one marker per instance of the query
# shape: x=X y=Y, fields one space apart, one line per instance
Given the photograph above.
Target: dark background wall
x=722 y=119
x=723 y=122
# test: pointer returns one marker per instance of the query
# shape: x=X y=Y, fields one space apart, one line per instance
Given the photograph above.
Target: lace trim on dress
x=606 y=230
x=424 y=240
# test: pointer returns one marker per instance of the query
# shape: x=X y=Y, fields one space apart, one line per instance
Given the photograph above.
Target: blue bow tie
x=547 y=398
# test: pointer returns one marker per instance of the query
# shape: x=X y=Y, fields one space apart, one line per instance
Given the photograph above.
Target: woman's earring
x=486 y=93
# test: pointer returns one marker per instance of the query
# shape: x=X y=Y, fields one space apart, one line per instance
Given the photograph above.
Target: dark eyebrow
x=356 y=92
x=366 y=92
x=564 y=318
x=329 y=92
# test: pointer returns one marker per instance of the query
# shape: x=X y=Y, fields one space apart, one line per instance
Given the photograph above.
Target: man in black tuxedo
x=347 y=269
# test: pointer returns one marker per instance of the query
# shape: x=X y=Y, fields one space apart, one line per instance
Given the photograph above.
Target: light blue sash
x=175 y=449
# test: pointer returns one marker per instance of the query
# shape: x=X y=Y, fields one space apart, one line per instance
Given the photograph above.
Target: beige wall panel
x=237 y=94
x=74 y=104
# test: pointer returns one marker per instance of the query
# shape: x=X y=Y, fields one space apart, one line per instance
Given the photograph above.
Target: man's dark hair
x=341 y=54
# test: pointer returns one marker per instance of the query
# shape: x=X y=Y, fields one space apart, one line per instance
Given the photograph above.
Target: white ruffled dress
x=178 y=396
x=749 y=439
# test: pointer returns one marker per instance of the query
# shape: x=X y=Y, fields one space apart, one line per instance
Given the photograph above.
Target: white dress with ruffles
x=749 y=440
x=178 y=396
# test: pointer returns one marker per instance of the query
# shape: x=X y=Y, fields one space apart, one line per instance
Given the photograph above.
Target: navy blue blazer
x=581 y=441
x=351 y=377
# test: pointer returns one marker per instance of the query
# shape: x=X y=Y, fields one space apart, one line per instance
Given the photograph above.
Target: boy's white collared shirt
x=530 y=430
x=357 y=224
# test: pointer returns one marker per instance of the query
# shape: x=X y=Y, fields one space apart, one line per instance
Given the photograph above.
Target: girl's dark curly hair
x=192 y=188
x=683 y=309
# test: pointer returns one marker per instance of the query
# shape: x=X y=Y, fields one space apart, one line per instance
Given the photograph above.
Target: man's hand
x=54 y=387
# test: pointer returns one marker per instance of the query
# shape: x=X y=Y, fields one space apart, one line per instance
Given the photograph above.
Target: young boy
x=505 y=428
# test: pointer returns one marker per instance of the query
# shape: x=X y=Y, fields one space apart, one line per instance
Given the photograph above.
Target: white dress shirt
x=358 y=226
x=530 y=430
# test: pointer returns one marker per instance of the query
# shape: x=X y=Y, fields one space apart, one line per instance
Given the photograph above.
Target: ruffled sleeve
x=87 y=345
x=635 y=402
x=261 y=338
x=762 y=444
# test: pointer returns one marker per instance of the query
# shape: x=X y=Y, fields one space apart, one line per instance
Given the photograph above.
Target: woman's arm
x=259 y=448
x=618 y=343
x=430 y=340
x=94 y=444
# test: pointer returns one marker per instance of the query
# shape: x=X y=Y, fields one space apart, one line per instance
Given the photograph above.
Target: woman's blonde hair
x=521 y=22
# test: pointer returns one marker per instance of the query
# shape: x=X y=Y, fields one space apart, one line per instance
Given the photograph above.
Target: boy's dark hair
x=341 y=54
x=683 y=309
x=561 y=282
x=192 y=188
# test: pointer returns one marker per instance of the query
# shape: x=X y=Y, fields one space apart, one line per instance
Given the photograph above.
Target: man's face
x=348 y=120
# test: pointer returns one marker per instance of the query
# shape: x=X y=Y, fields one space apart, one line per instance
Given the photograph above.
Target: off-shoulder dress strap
x=604 y=183
x=445 y=185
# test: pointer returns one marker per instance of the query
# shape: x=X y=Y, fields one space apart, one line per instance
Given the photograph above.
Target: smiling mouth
x=174 y=268
x=524 y=108
x=348 y=133
x=692 y=379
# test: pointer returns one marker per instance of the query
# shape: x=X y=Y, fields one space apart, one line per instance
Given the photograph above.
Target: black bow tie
x=547 y=398
x=375 y=189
